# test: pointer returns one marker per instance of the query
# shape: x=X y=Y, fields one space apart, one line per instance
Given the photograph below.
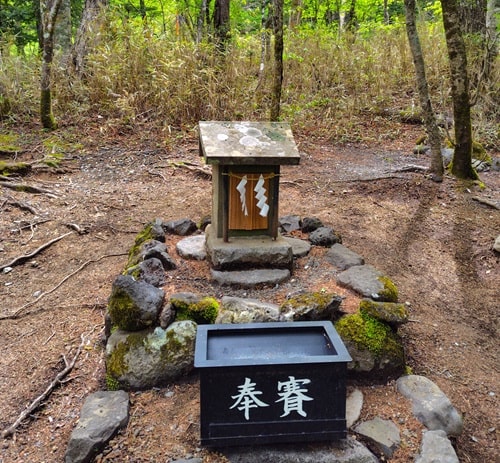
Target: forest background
x=173 y=63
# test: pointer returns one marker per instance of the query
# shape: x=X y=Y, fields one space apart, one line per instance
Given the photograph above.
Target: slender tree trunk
x=436 y=168
x=221 y=23
x=62 y=31
x=492 y=37
x=295 y=14
x=462 y=158
x=88 y=24
x=49 y=15
x=278 y=60
x=200 y=28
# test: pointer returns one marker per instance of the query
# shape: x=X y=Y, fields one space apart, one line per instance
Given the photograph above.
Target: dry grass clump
x=133 y=75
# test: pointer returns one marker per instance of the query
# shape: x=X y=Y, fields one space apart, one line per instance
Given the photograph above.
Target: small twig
x=53 y=384
x=16 y=313
x=21 y=205
x=21 y=259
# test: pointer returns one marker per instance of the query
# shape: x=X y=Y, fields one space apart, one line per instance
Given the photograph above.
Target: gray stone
x=167 y=315
x=155 y=249
x=324 y=236
x=311 y=306
x=342 y=451
x=382 y=434
x=289 y=223
x=369 y=282
x=342 y=257
x=134 y=305
x=181 y=227
x=188 y=460
x=251 y=278
x=239 y=310
x=353 y=407
x=192 y=247
x=151 y=358
x=150 y=271
x=436 y=448
x=248 y=252
x=300 y=248
x=430 y=405
x=157 y=232
x=102 y=415
x=496 y=244
x=309 y=224
x=393 y=313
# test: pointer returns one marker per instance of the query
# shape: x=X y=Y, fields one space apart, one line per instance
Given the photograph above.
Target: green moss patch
x=368 y=333
x=390 y=291
x=202 y=312
x=14 y=168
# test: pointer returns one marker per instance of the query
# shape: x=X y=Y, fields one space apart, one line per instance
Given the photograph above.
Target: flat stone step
x=251 y=278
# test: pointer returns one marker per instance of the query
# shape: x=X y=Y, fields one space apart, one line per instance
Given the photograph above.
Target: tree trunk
x=295 y=14
x=49 y=15
x=88 y=24
x=62 y=31
x=436 y=168
x=492 y=37
x=200 y=27
x=462 y=158
x=221 y=23
x=278 y=60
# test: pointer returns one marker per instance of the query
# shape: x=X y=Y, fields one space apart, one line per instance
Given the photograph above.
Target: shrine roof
x=254 y=143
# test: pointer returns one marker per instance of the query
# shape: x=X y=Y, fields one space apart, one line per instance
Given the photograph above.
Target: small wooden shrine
x=246 y=159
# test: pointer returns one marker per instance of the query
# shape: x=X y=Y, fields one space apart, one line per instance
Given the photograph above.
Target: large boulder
x=311 y=307
x=376 y=350
x=150 y=358
x=134 y=305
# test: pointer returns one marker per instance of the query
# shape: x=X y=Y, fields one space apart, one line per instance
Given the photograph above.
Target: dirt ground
x=433 y=240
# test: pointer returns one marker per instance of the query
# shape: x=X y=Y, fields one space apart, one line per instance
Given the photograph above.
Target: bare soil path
x=434 y=240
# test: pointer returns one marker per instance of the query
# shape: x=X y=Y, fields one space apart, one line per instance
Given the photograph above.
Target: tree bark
x=295 y=14
x=90 y=13
x=62 y=31
x=278 y=60
x=436 y=168
x=48 y=12
x=461 y=164
x=221 y=23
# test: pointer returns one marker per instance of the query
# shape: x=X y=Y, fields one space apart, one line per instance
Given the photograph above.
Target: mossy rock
x=151 y=232
x=392 y=313
x=134 y=305
x=375 y=348
x=203 y=311
x=319 y=305
x=150 y=358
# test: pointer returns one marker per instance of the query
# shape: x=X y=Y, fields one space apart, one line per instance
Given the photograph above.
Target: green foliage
x=150 y=71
